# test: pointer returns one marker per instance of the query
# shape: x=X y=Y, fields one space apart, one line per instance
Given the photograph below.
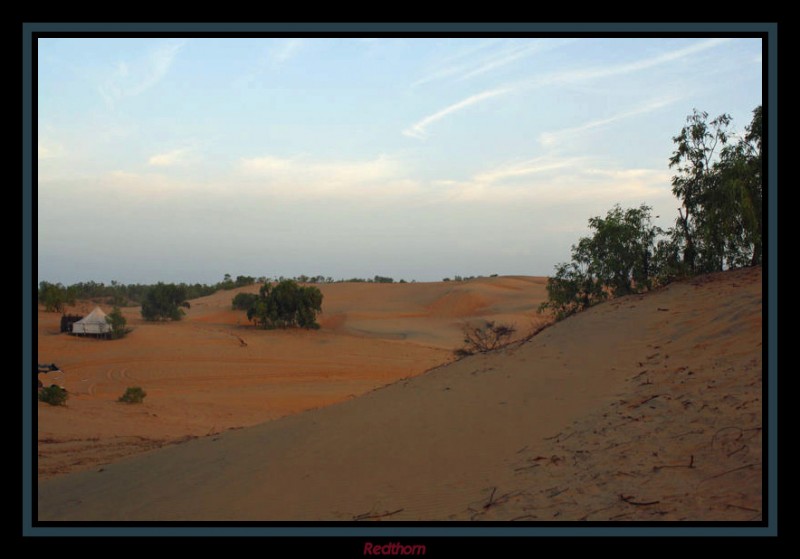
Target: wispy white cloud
x=555 y=180
x=49 y=150
x=455 y=64
x=132 y=78
x=534 y=166
x=475 y=60
x=303 y=176
x=549 y=139
x=584 y=74
x=512 y=54
x=169 y=158
x=286 y=50
x=419 y=129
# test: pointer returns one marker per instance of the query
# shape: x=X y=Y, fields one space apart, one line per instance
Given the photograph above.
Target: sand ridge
x=647 y=407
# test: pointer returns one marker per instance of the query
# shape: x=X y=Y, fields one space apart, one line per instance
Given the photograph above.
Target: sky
x=184 y=159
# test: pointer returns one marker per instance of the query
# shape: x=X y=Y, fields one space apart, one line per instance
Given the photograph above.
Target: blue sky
x=417 y=158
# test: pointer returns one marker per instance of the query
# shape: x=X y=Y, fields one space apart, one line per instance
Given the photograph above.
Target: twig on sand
x=740 y=507
x=500 y=500
x=490 y=502
x=630 y=501
x=523 y=516
x=553 y=437
x=689 y=465
x=643 y=402
x=695 y=432
x=730 y=471
x=741 y=448
x=370 y=515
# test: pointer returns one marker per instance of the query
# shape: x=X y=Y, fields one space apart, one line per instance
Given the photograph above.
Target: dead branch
x=730 y=471
x=490 y=502
x=740 y=507
x=630 y=501
x=643 y=402
x=695 y=432
x=741 y=448
x=370 y=515
x=689 y=465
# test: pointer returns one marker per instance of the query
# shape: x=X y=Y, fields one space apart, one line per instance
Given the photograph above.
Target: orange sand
x=644 y=408
x=214 y=371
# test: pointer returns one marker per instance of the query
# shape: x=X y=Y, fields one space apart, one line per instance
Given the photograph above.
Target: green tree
x=285 y=305
x=719 y=185
x=619 y=258
x=55 y=296
x=164 y=301
x=693 y=158
x=736 y=206
x=118 y=324
x=243 y=301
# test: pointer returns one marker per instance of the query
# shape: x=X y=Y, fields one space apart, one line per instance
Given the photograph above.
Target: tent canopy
x=93 y=323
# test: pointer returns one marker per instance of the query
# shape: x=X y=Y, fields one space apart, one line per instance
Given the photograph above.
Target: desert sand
x=647 y=407
x=213 y=371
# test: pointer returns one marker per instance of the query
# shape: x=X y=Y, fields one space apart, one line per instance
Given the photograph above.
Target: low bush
x=53 y=395
x=133 y=395
x=485 y=338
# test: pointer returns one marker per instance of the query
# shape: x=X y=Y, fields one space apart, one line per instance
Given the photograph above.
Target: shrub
x=133 y=395
x=54 y=395
x=485 y=338
x=117 y=322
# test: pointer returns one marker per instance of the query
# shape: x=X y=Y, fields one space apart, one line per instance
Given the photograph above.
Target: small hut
x=93 y=324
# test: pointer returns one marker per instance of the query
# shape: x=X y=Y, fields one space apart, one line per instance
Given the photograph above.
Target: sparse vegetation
x=616 y=260
x=488 y=337
x=719 y=224
x=53 y=395
x=118 y=324
x=55 y=296
x=133 y=395
x=285 y=305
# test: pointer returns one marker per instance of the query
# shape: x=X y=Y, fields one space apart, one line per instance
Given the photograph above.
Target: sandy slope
x=648 y=407
x=213 y=371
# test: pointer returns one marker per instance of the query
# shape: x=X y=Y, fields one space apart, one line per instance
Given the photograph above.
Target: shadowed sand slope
x=213 y=371
x=648 y=407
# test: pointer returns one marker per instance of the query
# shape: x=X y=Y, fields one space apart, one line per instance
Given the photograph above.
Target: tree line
x=55 y=296
x=718 y=183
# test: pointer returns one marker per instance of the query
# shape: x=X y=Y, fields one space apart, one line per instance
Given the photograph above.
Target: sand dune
x=213 y=371
x=647 y=407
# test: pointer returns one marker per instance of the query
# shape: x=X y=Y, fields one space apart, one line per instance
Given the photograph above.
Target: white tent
x=93 y=323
